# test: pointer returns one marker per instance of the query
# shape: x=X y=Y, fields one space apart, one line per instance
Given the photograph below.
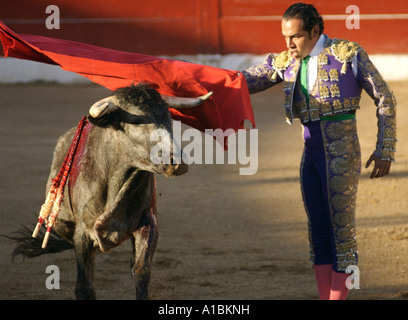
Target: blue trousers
x=330 y=169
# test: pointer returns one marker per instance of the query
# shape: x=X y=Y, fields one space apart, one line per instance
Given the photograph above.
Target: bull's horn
x=183 y=102
x=104 y=106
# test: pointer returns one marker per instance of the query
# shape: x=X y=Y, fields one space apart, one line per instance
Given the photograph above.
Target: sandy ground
x=222 y=235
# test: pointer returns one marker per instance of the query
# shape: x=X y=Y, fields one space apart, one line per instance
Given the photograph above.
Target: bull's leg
x=144 y=243
x=85 y=258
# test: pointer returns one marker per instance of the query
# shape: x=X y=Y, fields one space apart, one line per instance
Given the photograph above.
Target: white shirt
x=312 y=63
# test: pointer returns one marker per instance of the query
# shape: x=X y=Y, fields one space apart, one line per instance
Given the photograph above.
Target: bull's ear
x=104 y=106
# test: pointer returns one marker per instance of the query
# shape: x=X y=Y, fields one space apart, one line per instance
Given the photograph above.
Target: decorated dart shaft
x=53 y=216
x=45 y=209
x=38 y=227
x=46 y=237
x=49 y=210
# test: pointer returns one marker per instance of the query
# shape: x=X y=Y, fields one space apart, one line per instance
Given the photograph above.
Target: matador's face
x=298 y=41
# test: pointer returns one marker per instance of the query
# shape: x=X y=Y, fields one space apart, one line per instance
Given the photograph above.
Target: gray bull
x=110 y=196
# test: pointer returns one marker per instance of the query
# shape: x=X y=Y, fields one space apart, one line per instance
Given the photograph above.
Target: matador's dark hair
x=307 y=13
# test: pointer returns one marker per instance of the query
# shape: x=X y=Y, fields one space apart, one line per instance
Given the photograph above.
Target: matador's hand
x=381 y=167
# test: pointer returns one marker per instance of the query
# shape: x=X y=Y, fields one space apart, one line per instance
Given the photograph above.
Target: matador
x=323 y=79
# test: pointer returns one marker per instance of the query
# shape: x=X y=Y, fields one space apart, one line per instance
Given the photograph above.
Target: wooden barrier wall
x=170 y=27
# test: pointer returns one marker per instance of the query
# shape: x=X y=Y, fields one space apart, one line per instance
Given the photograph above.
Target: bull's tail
x=30 y=247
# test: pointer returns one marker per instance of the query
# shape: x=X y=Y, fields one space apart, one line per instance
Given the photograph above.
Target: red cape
x=228 y=108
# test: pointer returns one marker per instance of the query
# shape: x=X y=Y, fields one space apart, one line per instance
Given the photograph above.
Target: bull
x=111 y=194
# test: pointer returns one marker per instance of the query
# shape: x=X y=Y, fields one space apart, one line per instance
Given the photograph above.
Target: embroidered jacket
x=336 y=90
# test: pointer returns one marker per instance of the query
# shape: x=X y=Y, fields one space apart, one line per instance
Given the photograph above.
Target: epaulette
x=344 y=51
x=281 y=62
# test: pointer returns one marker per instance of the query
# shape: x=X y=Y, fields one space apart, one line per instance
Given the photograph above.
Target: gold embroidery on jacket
x=322 y=60
x=347 y=103
x=337 y=106
x=314 y=108
x=324 y=92
x=326 y=108
x=334 y=75
x=355 y=102
x=335 y=90
x=322 y=74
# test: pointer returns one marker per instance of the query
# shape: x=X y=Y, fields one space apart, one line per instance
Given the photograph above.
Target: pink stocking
x=323 y=275
x=339 y=290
